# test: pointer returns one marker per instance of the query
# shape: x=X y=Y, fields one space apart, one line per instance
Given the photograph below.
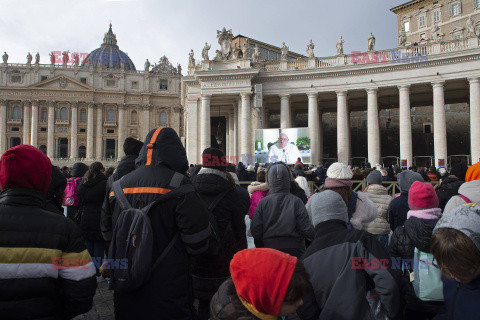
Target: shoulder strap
x=467 y=200
x=120 y=195
x=217 y=200
x=352 y=204
x=165 y=251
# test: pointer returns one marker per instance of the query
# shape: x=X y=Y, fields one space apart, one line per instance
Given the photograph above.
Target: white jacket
x=379 y=196
x=365 y=211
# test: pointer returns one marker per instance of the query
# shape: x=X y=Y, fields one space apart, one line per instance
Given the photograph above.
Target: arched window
x=64 y=114
x=17 y=113
x=43 y=148
x=82 y=152
x=163 y=118
x=133 y=117
x=43 y=114
x=111 y=115
x=83 y=115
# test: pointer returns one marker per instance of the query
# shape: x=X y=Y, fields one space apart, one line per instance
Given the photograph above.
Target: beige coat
x=379 y=196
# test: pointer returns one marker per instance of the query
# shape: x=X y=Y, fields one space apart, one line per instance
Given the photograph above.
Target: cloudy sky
x=153 y=28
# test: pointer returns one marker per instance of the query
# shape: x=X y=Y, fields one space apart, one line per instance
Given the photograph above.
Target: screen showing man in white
x=284 y=151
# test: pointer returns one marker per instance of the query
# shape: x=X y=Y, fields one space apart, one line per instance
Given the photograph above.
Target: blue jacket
x=397 y=211
x=461 y=300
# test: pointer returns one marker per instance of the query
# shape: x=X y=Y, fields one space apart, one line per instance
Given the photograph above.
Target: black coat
x=169 y=290
x=56 y=188
x=90 y=195
x=30 y=237
x=397 y=211
x=447 y=189
x=299 y=192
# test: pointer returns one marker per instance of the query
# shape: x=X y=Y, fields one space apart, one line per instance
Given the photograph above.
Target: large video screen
x=287 y=145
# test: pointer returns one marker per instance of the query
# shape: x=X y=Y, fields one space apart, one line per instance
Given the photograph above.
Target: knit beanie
x=326 y=205
x=473 y=173
x=374 y=177
x=261 y=277
x=340 y=171
x=214 y=158
x=466 y=219
x=132 y=146
x=406 y=178
x=422 y=196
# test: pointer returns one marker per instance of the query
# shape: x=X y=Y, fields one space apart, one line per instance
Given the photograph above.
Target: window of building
x=457 y=35
x=83 y=115
x=423 y=36
x=16 y=113
x=64 y=114
x=15 y=141
x=406 y=26
x=15 y=129
x=16 y=78
x=82 y=152
x=83 y=130
x=43 y=129
x=134 y=84
x=83 y=80
x=427 y=128
x=163 y=84
x=455 y=9
x=436 y=15
x=110 y=131
x=133 y=117
x=476 y=4
x=43 y=78
x=163 y=118
x=43 y=148
x=43 y=114
x=111 y=115
x=421 y=21
x=110 y=83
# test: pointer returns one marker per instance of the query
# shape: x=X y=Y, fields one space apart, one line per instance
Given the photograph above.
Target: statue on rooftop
x=310 y=47
x=256 y=54
x=5 y=57
x=205 y=52
x=284 y=51
x=371 y=42
x=402 y=38
x=37 y=58
x=225 y=38
x=191 y=59
x=29 y=59
x=147 y=65
x=246 y=50
x=339 y=46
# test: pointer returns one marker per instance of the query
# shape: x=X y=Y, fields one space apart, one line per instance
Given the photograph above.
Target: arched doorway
x=82 y=152
x=63 y=148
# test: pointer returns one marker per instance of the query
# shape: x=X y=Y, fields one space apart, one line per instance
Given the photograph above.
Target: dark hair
x=299 y=285
x=261 y=175
x=456 y=255
x=93 y=171
x=109 y=171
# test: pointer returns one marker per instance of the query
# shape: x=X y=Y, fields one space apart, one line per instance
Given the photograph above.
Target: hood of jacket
x=99 y=177
x=125 y=166
x=211 y=181
x=167 y=150
x=279 y=179
x=420 y=231
x=470 y=190
x=451 y=183
x=79 y=169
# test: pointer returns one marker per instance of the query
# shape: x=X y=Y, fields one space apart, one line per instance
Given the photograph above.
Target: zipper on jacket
x=452 y=314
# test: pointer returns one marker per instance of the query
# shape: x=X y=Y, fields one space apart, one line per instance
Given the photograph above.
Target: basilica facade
x=83 y=111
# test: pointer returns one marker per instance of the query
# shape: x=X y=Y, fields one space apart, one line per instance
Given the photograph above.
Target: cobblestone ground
x=102 y=305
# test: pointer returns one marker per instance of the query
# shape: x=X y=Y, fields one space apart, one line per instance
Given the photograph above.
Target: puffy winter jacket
x=33 y=243
x=169 y=290
x=380 y=197
x=461 y=300
x=471 y=190
x=341 y=280
x=447 y=189
x=226 y=305
x=257 y=191
x=281 y=220
x=90 y=195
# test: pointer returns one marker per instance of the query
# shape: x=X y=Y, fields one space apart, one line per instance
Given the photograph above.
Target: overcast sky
x=153 y=28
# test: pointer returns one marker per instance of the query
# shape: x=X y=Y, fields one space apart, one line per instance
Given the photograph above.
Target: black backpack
x=132 y=239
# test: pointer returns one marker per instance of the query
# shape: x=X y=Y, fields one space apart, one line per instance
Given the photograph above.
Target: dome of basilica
x=109 y=56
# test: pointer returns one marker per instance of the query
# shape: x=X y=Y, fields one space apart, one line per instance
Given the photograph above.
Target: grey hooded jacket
x=281 y=219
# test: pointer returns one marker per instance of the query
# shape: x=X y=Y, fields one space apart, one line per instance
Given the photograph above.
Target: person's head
x=455 y=243
x=326 y=205
x=261 y=176
x=407 y=178
x=473 y=173
x=214 y=158
x=79 y=169
x=279 y=177
x=374 y=177
x=25 y=167
x=132 y=146
x=422 y=196
x=270 y=282
x=283 y=140
x=94 y=170
x=339 y=171
x=109 y=171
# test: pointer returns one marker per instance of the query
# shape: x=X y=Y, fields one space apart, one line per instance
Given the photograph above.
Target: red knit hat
x=25 y=166
x=422 y=196
x=261 y=278
x=473 y=173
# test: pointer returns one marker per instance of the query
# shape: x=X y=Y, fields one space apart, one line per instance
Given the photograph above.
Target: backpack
x=217 y=241
x=132 y=239
x=351 y=208
x=426 y=276
x=70 y=198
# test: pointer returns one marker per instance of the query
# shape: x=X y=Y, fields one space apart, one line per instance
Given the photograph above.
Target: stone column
x=99 y=134
x=475 y=119
x=121 y=130
x=191 y=130
x=245 y=138
x=285 y=112
x=26 y=122
x=146 y=121
x=34 y=129
x=343 y=144
x=373 y=127
x=231 y=135
x=74 y=131
x=405 y=125
x=266 y=117
x=90 y=131
x=236 y=128
x=3 y=126
x=320 y=136
x=205 y=130
x=439 y=124
x=313 y=124
x=51 y=130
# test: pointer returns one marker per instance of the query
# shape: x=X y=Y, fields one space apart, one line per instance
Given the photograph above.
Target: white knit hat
x=339 y=171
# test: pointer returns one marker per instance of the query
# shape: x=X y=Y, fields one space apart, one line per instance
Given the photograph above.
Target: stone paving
x=102 y=305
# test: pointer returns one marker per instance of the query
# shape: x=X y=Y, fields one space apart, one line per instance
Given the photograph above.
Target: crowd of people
x=171 y=239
